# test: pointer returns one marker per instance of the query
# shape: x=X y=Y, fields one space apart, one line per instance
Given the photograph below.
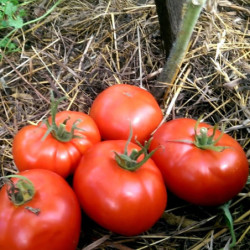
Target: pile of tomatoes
x=122 y=160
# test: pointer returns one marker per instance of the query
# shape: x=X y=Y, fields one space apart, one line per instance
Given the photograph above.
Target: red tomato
x=123 y=201
x=200 y=176
x=57 y=224
x=30 y=151
x=120 y=106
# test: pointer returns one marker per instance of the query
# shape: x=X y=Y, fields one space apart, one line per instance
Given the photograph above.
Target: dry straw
x=83 y=46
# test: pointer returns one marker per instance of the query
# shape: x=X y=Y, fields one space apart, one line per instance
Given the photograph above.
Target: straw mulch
x=84 y=46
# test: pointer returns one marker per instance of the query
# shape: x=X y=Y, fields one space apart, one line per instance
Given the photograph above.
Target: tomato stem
x=130 y=162
x=59 y=132
x=21 y=192
x=203 y=141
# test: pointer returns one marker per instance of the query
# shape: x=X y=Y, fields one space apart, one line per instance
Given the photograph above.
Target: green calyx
x=59 y=132
x=20 y=192
x=204 y=141
x=130 y=162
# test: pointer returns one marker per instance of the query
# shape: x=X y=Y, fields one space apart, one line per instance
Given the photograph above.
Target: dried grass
x=85 y=46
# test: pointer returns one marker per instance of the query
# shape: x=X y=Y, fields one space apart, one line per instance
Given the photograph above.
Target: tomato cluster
x=121 y=172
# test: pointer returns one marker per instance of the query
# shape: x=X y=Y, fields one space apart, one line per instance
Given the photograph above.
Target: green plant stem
x=44 y=15
x=192 y=9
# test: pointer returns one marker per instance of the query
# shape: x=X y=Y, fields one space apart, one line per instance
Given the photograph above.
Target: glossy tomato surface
x=30 y=151
x=122 y=201
x=203 y=177
x=122 y=105
x=56 y=226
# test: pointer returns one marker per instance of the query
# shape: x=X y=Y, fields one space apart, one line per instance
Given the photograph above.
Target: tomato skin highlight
x=125 y=202
x=122 y=105
x=56 y=227
x=199 y=176
x=29 y=151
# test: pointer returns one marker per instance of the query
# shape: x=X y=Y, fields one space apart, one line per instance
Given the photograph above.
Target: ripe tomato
x=62 y=157
x=50 y=220
x=121 y=106
x=124 y=201
x=195 y=174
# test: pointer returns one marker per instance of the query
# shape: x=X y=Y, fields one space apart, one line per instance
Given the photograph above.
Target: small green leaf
x=22 y=13
x=4 y=24
x=4 y=1
x=229 y=220
x=16 y=23
x=6 y=43
x=10 y=9
x=15 y=2
x=12 y=47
